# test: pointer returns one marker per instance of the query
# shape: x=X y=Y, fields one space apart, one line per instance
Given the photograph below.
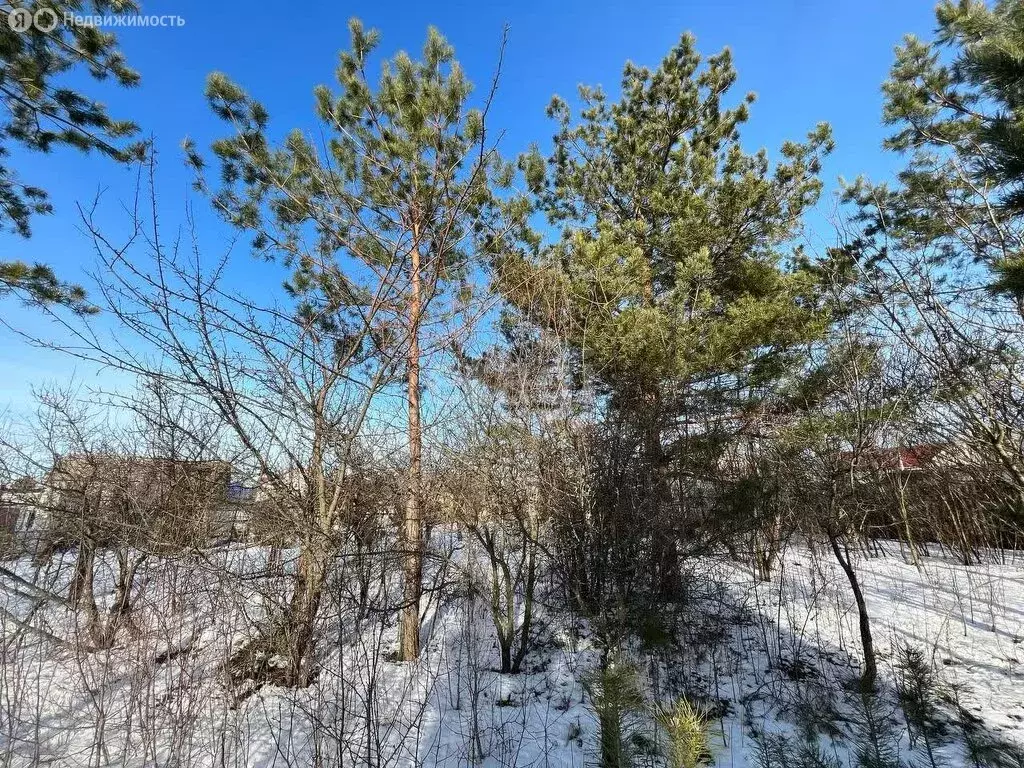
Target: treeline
x=597 y=361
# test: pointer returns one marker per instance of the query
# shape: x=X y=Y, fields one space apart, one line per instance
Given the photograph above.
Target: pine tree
x=617 y=697
x=961 y=114
x=41 y=113
x=381 y=222
x=941 y=250
x=673 y=275
x=876 y=745
x=39 y=284
x=920 y=695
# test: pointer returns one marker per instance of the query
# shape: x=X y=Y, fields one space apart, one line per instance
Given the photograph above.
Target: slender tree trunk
x=365 y=574
x=81 y=583
x=501 y=614
x=901 y=492
x=664 y=547
x=85 y=595
x=275 y=561
x=505 y=645
x=412 y=566
x=769 y=554
x=870 y=675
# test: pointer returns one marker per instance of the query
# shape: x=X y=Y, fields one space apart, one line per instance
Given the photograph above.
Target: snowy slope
x=768 y=660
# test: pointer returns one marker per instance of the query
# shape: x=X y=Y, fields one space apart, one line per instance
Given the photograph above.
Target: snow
x=967 y=619
x=769 y=657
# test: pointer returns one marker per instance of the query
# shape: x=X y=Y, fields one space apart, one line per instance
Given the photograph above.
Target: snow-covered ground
x=803 y=649
x=770 y=661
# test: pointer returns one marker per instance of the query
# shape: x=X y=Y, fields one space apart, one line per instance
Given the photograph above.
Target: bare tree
x=503 y=463
x=289 y=391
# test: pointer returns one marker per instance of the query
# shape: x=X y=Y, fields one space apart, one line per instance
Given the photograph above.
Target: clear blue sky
x=808 y=60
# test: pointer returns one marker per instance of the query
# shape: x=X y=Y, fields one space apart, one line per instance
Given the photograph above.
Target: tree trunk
x=81 y=583
x=412 y=530
x=104 y=632
x=505 y=646
x=83 y=591
x=664 y=549
x=870 y=676
x=302 y=611
x=527 y=625
x=364 y=568
x=766 y=551
x=908 y=532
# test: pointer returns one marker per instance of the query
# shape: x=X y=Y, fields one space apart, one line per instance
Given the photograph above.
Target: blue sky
x=808 y=60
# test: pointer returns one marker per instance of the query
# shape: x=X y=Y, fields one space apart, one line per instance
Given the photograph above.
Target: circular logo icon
x=20 y=19
x=45 y=19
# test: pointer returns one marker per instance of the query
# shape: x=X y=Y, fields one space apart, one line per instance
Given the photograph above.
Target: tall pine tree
x=674 y=275
x=380 y=217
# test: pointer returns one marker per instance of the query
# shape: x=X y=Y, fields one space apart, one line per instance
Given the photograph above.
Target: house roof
x=902 y=457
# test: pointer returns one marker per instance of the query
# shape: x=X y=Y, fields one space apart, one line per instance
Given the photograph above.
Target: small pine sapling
x=920 y=696
x=875 y=743
x=616 y=695
x=686 y=730
x=983 y=749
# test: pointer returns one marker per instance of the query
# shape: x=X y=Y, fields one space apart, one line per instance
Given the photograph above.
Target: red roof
x=909 y=457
